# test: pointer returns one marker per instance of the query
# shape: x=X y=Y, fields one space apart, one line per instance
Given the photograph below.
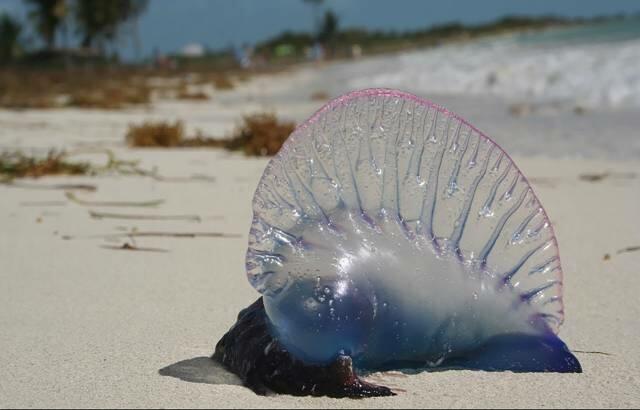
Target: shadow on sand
x=201 y=370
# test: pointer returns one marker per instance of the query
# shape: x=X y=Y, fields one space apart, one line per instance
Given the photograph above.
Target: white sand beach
x=86 y=324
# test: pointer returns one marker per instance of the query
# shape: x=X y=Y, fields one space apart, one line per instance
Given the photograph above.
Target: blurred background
x=544 y=77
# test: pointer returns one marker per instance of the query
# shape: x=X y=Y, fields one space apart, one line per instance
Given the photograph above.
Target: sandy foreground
x=85 y=324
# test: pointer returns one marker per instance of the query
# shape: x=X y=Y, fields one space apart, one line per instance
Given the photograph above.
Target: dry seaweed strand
x=63 y=187
x=187 y=235
x=129 y=247
x=605 y=175
x=629 y=249
x=106 y=215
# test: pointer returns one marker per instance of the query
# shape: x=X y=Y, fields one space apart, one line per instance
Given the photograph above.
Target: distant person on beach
x=243 y=55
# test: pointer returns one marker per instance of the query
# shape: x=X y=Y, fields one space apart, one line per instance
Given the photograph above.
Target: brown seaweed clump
x=162 y=134
x=156 y=134
x=260 y=135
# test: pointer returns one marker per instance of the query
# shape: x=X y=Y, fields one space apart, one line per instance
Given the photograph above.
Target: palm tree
x=329 y=27
x=98 y=21
x=47 y=16
x=10 y=30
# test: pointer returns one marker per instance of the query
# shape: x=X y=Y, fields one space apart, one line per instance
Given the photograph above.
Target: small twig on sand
x=146 y=204
x=127 y=247
x=159 y=235
x=104 y=215
x=629 y=249
x=592 y=352
x=605 y=175
x=65 y=187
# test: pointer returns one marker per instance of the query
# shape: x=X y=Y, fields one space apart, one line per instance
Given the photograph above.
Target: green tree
x=99 y=21
x=47 y=15
x=329 y=27
x=10 y=30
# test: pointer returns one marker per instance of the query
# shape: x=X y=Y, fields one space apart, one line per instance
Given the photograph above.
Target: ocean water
x=591 y=66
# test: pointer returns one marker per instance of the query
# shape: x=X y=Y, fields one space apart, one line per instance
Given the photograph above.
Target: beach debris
x=17 y=164
x=370 y=248
x=62 y=187
x=155 y=134
x=597 y=177
x=320 y=96
x=128 y=247
x=144 y=204
x=592 y=352
x=162 y=134
x=136 y=234
x=106 y=215
x=629 y=249
x=260 y=134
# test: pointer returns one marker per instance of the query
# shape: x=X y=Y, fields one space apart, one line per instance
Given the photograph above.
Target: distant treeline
x=339 y=42
x=77 y=32
x=335 y=42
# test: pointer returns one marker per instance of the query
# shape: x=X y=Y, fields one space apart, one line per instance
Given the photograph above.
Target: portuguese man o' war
x=389 y=233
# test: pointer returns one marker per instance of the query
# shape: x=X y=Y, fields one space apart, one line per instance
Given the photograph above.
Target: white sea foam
x=601 y=74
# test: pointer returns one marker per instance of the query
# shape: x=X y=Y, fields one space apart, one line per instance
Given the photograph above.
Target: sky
x=169 y=25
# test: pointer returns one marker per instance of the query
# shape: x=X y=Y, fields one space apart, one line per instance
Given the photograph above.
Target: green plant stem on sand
x=16 y=165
